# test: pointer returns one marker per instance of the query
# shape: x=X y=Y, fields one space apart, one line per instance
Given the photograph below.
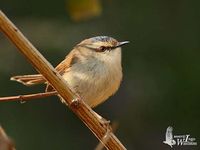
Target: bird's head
x=101 y=44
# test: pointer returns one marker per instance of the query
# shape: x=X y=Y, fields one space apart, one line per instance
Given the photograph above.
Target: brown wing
x=64 y=66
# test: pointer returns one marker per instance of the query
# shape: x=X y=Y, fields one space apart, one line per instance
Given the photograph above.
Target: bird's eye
x=102 y=48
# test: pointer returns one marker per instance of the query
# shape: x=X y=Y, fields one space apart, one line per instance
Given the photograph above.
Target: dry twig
x=5 y=142
x=83 y=111
x=28 y=97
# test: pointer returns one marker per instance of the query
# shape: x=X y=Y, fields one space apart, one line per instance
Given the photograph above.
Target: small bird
x=169 y=137
x=92 y=69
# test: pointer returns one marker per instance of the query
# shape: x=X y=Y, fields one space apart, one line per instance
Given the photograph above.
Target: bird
x=169 y=137
x=92 y=69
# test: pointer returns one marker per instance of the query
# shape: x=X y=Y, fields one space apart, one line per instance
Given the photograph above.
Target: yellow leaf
x=83 y=9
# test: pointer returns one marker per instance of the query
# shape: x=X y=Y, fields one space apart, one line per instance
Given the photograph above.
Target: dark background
x=161 y=68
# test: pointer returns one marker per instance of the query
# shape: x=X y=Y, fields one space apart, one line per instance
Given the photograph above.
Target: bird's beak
x=122 y=43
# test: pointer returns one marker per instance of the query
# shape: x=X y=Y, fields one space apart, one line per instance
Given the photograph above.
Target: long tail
x=29 y=80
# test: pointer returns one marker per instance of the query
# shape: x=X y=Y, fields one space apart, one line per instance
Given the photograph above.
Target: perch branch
x=83 y=111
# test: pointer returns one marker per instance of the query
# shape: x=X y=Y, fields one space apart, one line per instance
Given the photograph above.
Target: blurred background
x=161 y=68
